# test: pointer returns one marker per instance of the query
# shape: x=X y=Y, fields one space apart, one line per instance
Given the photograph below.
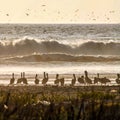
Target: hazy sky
x=60 y=11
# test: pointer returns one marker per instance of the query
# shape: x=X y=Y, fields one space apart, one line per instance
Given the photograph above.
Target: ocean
x=59 y=48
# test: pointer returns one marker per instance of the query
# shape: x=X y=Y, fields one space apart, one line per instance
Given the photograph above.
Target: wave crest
x=27 y=46
x=62 y=57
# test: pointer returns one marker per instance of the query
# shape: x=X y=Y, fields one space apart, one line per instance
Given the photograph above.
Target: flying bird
x=94 y=19
x=92 y=12
x=44 y=10
x=7 y=14
x=112 y=11
x=76 y=10
x=58 y=12
x=43 y=5
x=27 y=14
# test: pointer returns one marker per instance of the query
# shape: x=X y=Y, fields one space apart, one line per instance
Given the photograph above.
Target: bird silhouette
x=27 y=14
x=7 y=14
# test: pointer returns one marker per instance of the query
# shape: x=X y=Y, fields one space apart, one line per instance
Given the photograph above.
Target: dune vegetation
x=59 y=103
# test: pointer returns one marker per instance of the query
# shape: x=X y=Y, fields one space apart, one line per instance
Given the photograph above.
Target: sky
x=59 y=11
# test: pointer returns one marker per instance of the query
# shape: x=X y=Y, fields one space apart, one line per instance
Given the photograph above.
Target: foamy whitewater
x=59 y=48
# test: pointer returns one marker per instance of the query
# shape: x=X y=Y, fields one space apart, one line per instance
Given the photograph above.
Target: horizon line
x=54 y=23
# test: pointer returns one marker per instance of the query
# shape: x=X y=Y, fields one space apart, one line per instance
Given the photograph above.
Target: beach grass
x=59 y=103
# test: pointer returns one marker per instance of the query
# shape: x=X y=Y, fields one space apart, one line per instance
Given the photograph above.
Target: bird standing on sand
x=36 y=79
x=45 y=78
x=118 y=79
x=12 y=80
x=87 y=79
x=73 y=80
x=56 y=82
x=19 y=79
x=62 y=81
x=24 y=80
x=103 y=80
x=81 y=80
x=59 y=80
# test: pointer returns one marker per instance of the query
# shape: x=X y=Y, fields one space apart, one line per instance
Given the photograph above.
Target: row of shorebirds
x=60 y=81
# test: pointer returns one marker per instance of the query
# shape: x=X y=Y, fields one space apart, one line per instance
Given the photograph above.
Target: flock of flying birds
x=91 y=16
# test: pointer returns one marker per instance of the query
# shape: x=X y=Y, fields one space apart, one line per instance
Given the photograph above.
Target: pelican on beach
x=12 y=80
x=59 y=80
x=73 y=80
x=36 y=79
x=56 y=82
x=87 y=79
x=45 y=78
x=19 y=79
x=103 y=80
x=118 y=79
x=22 y=79
x=81 y=80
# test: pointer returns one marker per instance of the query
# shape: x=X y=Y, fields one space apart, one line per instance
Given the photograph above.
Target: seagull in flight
x=27 y=14
x=43 y=5
x=7 y=14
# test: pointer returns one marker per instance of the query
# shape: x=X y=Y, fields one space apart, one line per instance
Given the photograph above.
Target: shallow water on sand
x=5 y=78
x=65 y=69
x=60 y=67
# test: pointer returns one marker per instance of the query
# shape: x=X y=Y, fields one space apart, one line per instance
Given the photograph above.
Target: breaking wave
x=27 y=46
x=62 y=57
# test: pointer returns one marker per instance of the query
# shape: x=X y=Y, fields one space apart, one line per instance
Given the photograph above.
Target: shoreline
x=5 y=79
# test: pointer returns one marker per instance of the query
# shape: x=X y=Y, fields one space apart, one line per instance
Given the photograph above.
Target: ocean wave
x=29 y=46
x=62 y=57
